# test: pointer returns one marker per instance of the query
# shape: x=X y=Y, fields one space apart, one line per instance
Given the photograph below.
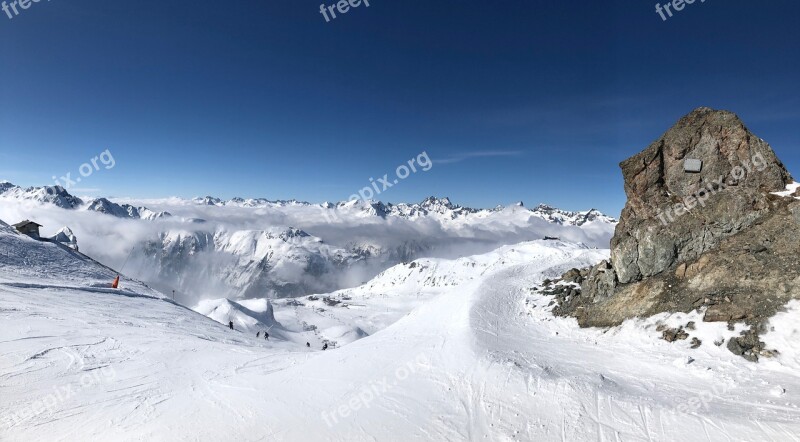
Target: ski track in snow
x=479 y=360
x=618 y=404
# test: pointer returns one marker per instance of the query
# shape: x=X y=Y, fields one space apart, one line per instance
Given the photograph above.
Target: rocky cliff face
x=672 y=215
x=703 y=228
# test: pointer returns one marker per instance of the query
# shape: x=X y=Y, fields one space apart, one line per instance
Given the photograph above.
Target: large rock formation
x=702 y=228
x=672 y=215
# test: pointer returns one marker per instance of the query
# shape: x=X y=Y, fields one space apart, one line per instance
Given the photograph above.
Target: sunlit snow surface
x=448 y=350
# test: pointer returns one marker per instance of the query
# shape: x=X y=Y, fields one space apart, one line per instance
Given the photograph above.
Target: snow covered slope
x=28 y=263
x=253 y=315
x=347 y=315
x=476 y=358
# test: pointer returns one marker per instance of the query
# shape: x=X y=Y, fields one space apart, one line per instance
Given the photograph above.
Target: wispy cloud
x=457 y=158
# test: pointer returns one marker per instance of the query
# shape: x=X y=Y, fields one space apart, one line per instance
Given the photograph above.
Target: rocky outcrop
x=718 y=239
x=673 y=216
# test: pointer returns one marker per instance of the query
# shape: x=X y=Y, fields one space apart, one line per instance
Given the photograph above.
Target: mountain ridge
x=432 y=205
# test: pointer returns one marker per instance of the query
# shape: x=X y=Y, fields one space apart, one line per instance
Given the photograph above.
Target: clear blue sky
x=521 y=100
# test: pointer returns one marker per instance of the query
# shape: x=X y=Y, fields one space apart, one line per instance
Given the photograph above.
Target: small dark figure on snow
x=266 y=336
x=230 y=324
x=258 y=334
x=325 y=347
x=308 y=344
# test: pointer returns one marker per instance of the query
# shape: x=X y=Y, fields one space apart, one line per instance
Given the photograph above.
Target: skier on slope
x=266 y=336
x=325 y=346
x=258 y=334
x=230 y=324
x=308 y=344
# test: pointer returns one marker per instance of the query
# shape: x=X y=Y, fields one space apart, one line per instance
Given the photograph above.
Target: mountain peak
x=559 y=216
x=55 y=195
x=433 y=201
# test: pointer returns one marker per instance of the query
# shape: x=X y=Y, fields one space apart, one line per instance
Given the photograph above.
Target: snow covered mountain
x=439 y=208
x=271 y=263
x=65 y=237
x=105 y=206
x=312 y=248
x=254 y=248
x=431 y=350
x=246 y=202
x=564 y=217
x=55 y=195
x=60 y=197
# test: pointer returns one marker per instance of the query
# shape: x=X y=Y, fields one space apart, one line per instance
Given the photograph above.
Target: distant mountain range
x=254 y=248
x=441 y=208
x=60 y=197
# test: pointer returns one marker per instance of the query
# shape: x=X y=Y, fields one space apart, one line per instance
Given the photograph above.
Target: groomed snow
x=464 y=353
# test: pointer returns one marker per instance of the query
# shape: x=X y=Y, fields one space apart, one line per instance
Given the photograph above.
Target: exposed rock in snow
x=4 y=186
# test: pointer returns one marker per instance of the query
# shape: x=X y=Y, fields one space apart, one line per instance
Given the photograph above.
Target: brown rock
x=680 y=272
x=724 y=313
x=734 y=251
x=654 y=231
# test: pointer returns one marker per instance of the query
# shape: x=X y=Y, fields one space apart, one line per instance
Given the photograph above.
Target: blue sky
x=518 y=100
